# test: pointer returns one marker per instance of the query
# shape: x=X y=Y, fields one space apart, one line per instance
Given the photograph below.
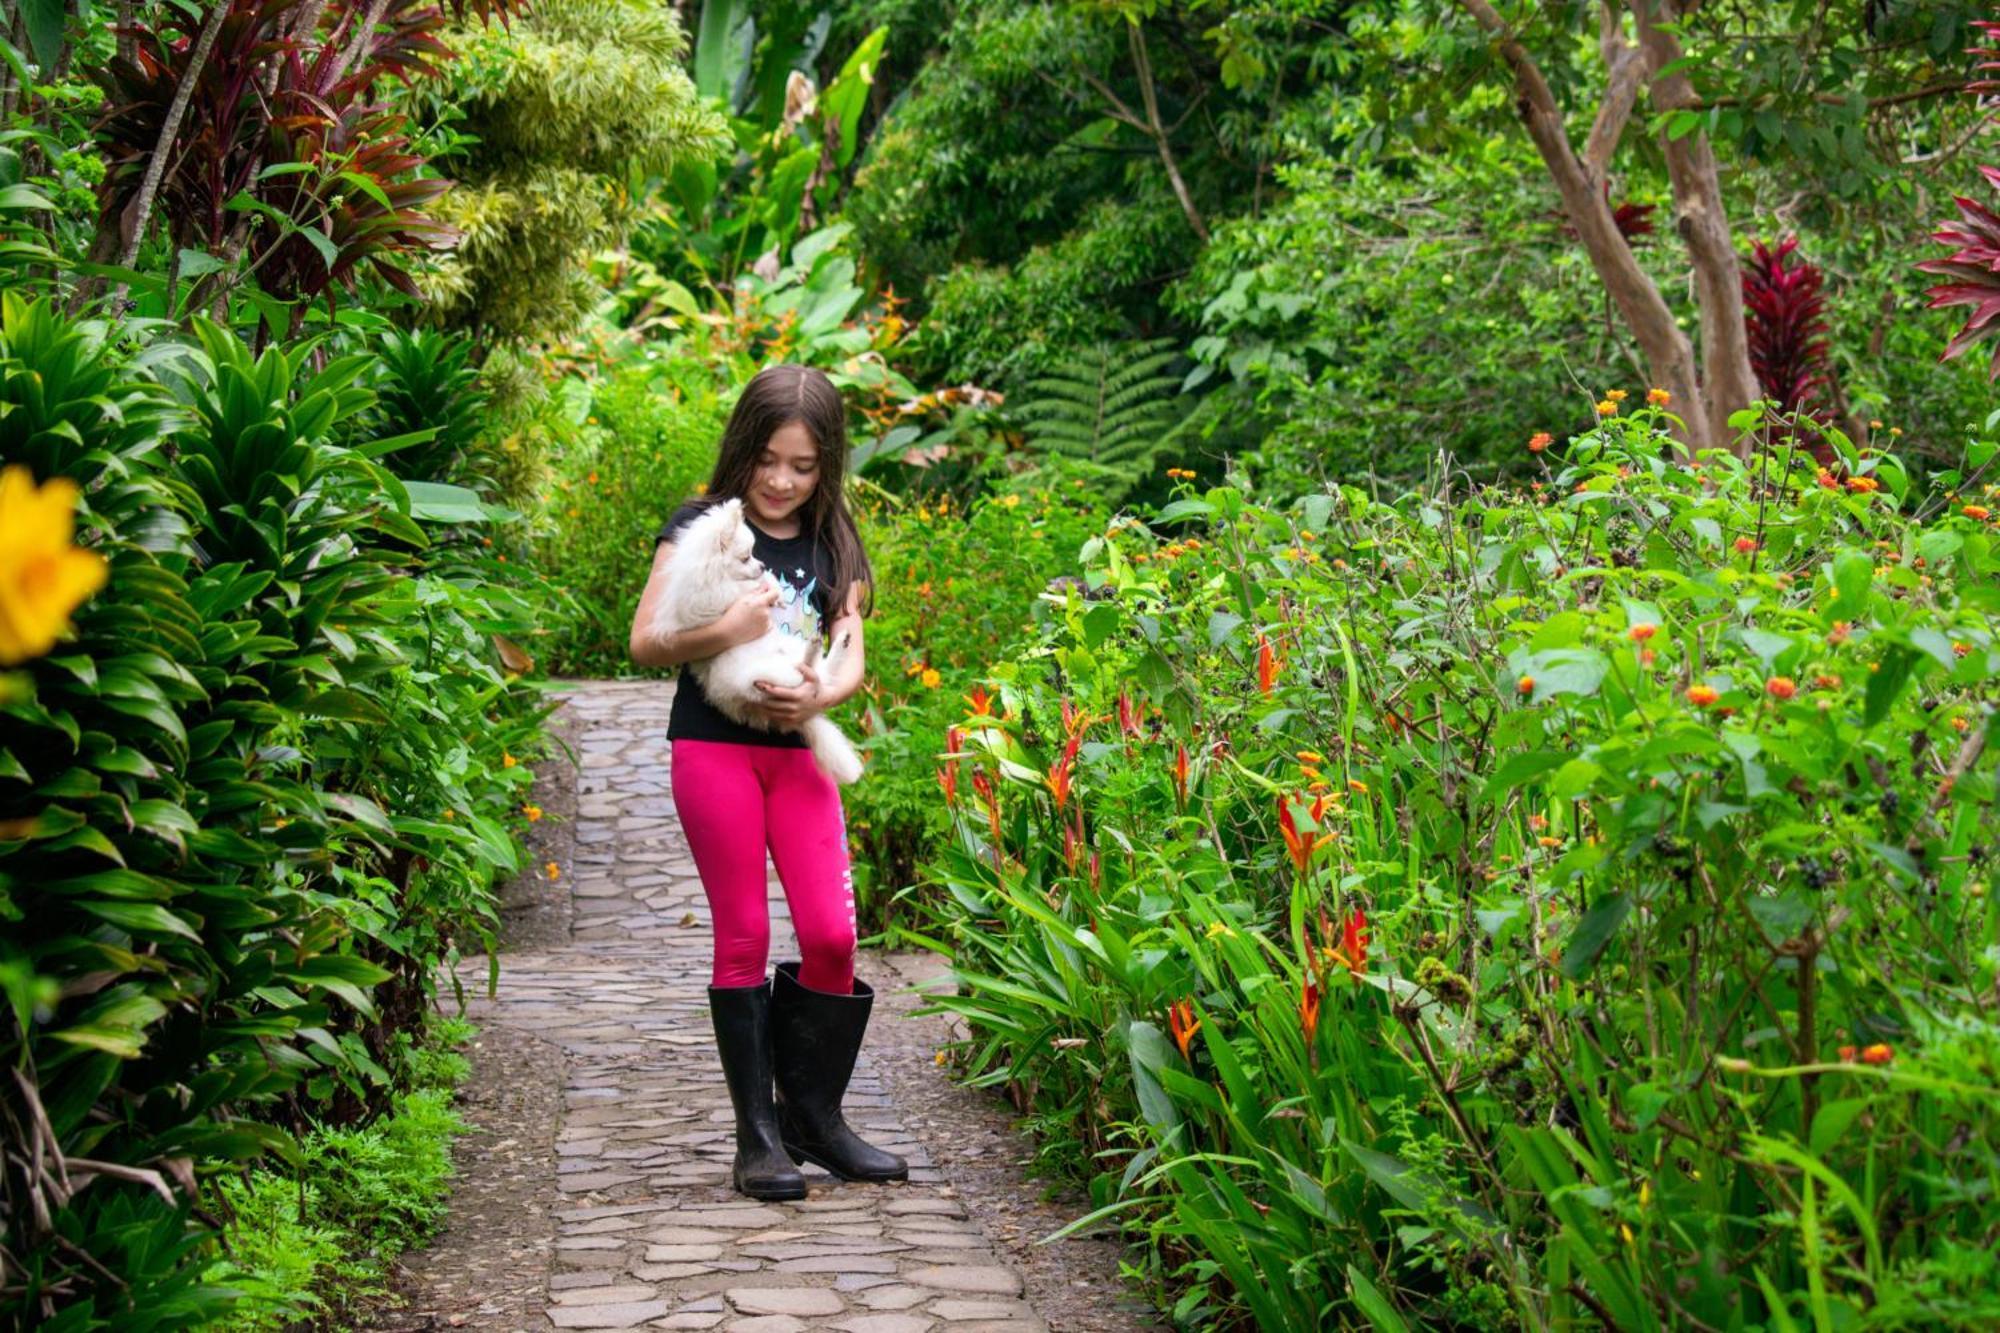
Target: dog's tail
x=832 y=751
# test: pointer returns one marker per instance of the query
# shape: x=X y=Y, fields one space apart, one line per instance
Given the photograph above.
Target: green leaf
x=1372 y=1303
x=140 y=918
x=1885 y=685
x=1592 y=933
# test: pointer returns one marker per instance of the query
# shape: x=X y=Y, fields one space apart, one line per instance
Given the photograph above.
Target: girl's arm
x=844 y=681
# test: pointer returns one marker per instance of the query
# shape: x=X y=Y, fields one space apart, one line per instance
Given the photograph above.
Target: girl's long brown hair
x=776 y=397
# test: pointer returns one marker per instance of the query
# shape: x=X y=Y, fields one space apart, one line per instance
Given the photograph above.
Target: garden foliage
x=247 y=811
x=1510 y=908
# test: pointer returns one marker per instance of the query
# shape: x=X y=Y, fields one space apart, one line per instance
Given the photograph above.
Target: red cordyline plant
x=281 y=153
x=1784 y=314
x=1973 y=268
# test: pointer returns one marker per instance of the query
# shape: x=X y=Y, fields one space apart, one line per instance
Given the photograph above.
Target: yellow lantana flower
x=42 y=576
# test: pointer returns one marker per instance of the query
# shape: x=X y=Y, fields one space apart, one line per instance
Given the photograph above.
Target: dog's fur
x=713 y=565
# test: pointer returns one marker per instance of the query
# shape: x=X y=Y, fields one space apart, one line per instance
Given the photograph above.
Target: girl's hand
x=749 y=616
x=790 y=707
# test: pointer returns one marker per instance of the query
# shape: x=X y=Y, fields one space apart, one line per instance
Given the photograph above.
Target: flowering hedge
x=1505 y=909
x=955 y=589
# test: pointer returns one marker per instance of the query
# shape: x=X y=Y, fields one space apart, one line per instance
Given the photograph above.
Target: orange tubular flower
x=1309 y=1011
x=1074 y=719
x=1180 y=773
x=1180 y=1017
x=1059 y=773
x=1297 y=843
x=1354 y=942
x=1267 y=665
x=947 y=776
x=984 y=786
x=982 y=704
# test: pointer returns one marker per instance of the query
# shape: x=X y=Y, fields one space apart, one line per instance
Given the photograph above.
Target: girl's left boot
x=815 y=1038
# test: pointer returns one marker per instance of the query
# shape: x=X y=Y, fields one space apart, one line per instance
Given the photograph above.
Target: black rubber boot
x=814 y=1040
x=743 y=1035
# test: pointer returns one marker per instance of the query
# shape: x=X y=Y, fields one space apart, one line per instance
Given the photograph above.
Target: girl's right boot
x=743 y=1035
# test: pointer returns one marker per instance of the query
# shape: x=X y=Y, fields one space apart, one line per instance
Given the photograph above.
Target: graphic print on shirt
x=795 y=612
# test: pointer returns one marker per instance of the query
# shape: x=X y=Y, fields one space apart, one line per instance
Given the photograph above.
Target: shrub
x=1512 y=907
x=248 y=812
x=955 y=589
x=631 y=451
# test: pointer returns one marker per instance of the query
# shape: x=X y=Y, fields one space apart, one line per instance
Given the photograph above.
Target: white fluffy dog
x=712 y=566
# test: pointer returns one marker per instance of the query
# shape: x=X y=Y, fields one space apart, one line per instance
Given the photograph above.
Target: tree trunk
x=156 y=165
x=1729 y=383
x=1137 y=38
x=1645 y=311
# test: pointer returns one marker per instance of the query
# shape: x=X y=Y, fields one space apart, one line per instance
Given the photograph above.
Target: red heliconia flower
x=1180 y=773
x=954 y=741
x=1060 y=771
x=1267 y=665
x=1309 y=1015
x=984 y=786
x=1096 y=871
x=1128 y=716
x=982 y=704
x=1352 y=951
x=1180 y=1017
x=1301 y=843
x=1354 y=941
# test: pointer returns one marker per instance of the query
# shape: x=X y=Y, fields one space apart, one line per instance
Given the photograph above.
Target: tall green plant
x=247 y=813
x=1511 y=908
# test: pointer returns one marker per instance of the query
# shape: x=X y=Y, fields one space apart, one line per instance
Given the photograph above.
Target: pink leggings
x=734 y=800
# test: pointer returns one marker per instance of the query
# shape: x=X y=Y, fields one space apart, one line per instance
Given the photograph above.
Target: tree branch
x=1728 y=383
x=1137 y=38
x=1629 y=68
x=1645 y=311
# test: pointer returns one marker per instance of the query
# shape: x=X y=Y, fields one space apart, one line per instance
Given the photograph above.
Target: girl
x=788 y=1044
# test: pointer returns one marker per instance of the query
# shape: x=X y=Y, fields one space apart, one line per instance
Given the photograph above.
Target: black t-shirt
x=804 y=571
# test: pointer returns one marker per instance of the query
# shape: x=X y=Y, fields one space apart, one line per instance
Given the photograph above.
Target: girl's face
x=786 y=474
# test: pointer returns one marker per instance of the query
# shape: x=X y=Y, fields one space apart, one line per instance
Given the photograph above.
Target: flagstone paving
x=649 y=1233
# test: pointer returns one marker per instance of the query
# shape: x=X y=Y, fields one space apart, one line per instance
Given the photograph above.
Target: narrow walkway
x=652 y=1235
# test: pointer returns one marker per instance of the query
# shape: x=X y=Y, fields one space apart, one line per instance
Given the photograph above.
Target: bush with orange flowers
x=1539 y=992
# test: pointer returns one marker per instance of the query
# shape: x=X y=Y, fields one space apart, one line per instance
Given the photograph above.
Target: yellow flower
x=508 y=760
x=533 y=812
x=1356 y=784
x=450 y=815
x=1217 y=928
x=1658 y=397
x=1607 y=408
x=1615 y=395
x=1011 y=501
x=42 y=576
x=931 y=678
x=554 y=870
x=1310 y=757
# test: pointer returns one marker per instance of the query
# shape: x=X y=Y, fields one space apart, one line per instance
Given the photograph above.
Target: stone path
x=651 y=1235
